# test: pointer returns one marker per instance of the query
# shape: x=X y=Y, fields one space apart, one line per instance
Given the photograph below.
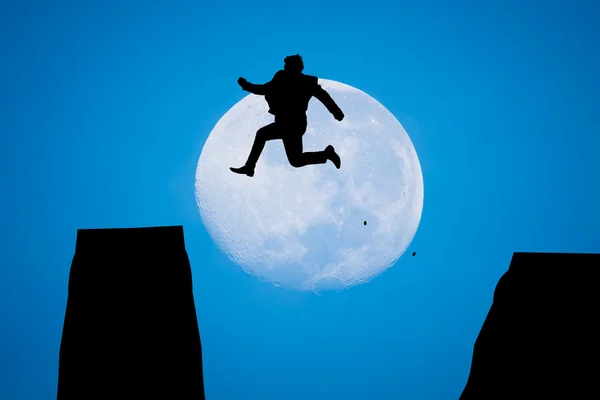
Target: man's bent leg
x=268 y=132
x=294 y=151
x=292 y=141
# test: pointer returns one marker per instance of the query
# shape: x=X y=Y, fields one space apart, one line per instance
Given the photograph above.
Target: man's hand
x=242 y=82
x=339 y=115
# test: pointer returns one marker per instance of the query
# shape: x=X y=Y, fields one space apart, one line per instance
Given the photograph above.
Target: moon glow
x=300 y=228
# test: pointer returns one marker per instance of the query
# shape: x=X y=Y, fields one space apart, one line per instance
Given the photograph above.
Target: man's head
x=293 y=63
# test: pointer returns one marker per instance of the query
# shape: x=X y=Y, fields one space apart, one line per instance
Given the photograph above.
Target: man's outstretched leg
x=268 y=132
x=297 y=158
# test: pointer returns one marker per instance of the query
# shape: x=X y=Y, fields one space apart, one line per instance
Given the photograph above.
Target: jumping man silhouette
x=287 y=95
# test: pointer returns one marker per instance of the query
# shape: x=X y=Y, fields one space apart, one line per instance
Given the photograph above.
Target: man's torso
x=288 y=95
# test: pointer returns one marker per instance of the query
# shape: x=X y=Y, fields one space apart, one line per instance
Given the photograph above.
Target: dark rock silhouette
x=288 y=95
x=540 y=337
x=130 y=328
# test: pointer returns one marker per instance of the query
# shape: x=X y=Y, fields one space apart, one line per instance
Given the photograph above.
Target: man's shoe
x=333 y=156
x=245 y=170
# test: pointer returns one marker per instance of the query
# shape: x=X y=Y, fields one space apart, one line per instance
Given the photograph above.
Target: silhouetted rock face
x=540 y=337
x=130 y=329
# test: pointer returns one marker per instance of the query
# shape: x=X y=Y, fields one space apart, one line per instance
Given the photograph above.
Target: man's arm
x=253 y=88
x=260 y=89
x=328 y=102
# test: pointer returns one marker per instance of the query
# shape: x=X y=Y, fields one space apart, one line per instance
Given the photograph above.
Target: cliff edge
x=540 y=337
x=130 y=327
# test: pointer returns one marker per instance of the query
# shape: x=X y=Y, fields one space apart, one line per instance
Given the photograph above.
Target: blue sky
x=106 y=106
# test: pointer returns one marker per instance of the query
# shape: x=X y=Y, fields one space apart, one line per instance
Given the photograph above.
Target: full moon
x=303 y=228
